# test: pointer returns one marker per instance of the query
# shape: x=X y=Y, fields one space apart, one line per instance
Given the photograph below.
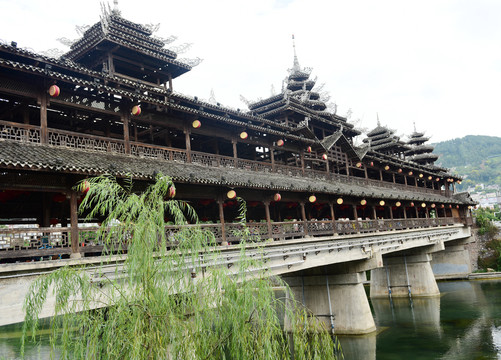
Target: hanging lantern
x=437 y=179
x=244 y=135
x=469 y=207
x=450 y=206
x=398 y=203
x=54 y=91
x=172 y=191
x=421 y=176
x=339 y=201
x=324 y=156
x=308 y=149
x=136 y=110
x=433 y=206
x=457 y=206
x=359 y=165
x=196 y=124
x=423 y=205
x=442 y=206
x=411 y=204
x=459 y=182
x=280 y=142
x=372 y=163
x=231 y=194
x=381 y=203
x=363 y=202
x=387 y=167
x=430 y=177
x=312 y=198
x=84 y=186
x=277 y=197
x=410 y=173
x=399 y=171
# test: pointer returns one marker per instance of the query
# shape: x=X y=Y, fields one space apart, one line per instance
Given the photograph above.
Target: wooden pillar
x=327 y=165
x=393 y=175
x=427 y=212
x=374 y=212
x=405 y=211
x=391 y=212
x=111 y=64
x=301 y=154
x=220 y=202
x=235 y=152
x=417 y=212
x=405 y=180
x=380 y=175
x=268 y=217
x=125 y=120
x=365 y=170
x=355 y=214
x=187 y=138
x=75 y=249
x=44 y=134
x=333 y=217
x=303 y=217
x=170 y=83
x=347 y=167
x=272 y=157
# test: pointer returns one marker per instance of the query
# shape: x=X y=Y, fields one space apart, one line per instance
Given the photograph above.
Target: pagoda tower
x=384 y=140
x=419 y=152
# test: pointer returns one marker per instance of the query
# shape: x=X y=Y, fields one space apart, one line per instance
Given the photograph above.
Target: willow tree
x=172 y=296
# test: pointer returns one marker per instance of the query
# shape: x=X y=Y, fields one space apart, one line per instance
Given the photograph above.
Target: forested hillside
x=476 y=158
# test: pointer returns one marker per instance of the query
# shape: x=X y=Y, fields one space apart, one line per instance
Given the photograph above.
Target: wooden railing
x=63 y=138
x=37 y=243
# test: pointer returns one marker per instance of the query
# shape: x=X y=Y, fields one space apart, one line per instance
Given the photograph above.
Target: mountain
x=476 y=158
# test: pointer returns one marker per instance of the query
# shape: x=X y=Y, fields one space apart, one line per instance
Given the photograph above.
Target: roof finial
x=378 y=123
x=295 y=66
x=115 y=7
x=414 y=126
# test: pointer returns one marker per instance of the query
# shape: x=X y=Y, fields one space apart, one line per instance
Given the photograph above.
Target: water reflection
x=463 y=323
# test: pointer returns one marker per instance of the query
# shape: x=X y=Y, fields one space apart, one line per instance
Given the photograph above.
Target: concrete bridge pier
x=336 y=295
x=453 y=261
x=405 y=273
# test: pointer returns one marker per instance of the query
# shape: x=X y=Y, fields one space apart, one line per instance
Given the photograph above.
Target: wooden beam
x=74 y=225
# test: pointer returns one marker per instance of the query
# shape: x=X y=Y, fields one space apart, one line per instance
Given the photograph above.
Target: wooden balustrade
x=29 y=133
x=36 y=243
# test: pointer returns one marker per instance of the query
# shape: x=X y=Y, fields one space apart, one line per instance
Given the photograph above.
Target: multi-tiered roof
x=419 y=152
x=384 y=140
x=119 y=46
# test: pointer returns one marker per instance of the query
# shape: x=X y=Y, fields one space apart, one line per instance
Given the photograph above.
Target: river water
x=463 y=323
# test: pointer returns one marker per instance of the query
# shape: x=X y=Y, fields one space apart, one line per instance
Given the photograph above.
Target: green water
x=463 y=323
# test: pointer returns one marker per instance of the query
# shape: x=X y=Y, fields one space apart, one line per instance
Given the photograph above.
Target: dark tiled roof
x=55 y=159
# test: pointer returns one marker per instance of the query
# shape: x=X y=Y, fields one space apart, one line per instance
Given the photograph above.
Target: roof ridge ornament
x=295 y=67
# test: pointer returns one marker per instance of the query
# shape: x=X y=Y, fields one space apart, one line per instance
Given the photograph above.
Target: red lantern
x=359 y=165
x=399 y=171
x=277 y=197
x=231 y=194
x=308 y=149
x=410 y=173
x=324 y=156
x=196 y=124
x=381 y=203
x=411 y=204
x=84 y=186
x=423 y=205
x=387 y=167
x=363 y=202
x=437 y=179
x=136 y=110
x=398 y=203
x=372 y=163
x=172 y=191
x=312 y=198
x=280 y=142
x=54 y=91
x=244 y=135
x=430 y=177
x=433 y=206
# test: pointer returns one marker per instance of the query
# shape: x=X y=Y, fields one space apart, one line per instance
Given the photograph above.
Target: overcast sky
x=435 y=63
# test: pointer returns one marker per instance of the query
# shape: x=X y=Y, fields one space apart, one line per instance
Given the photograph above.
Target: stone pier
x=453 y=261
x=339 y=301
